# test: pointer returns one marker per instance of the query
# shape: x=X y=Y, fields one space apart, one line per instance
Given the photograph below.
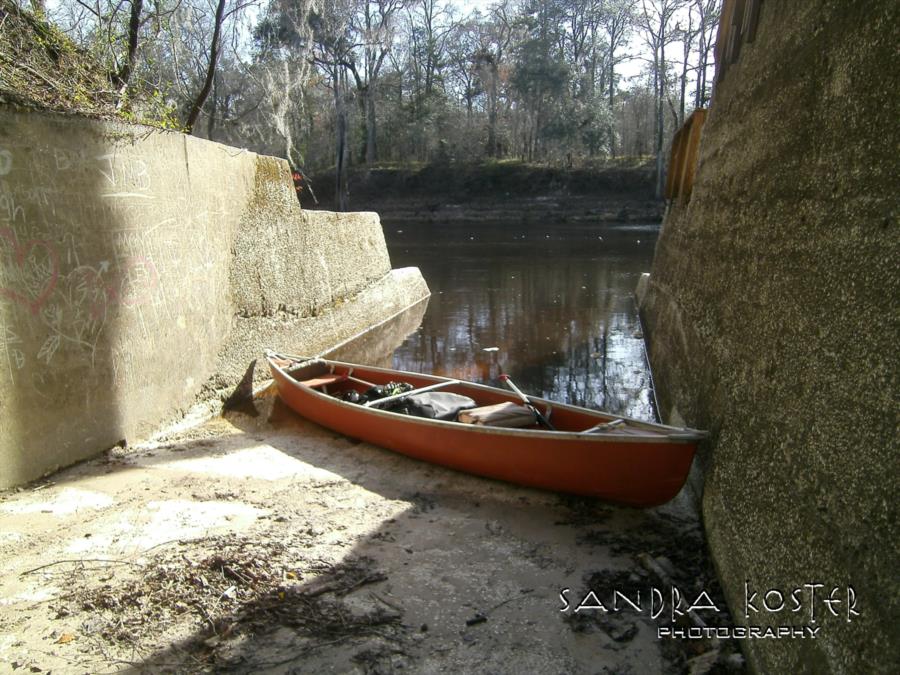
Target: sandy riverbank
x=259 y=542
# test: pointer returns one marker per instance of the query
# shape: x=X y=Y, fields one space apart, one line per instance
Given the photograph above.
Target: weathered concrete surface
x=773 y=320
x=310 y=335
x=136 y=264
x=279 y=266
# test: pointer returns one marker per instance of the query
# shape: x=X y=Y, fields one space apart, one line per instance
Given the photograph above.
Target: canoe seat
x=329 y=378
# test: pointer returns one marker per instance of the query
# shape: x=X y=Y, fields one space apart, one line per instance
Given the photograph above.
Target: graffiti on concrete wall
x=80 y=261
x=13 y=356
x=32 y=270
x=73 y=306
x=5 y=161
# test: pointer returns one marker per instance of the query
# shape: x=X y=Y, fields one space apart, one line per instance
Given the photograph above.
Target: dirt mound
x=41 y=67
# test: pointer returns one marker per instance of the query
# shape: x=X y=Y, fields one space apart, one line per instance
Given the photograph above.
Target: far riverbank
x=497 y=192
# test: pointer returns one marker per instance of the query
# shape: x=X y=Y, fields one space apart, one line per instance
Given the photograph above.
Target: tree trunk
x=701 y=65
x=121 y=78
x=688 y=40
x=211 y=69
x=361 y=98
x=701 y=82
x=214 y=104
x=492 y=116
x=492 y=133
x=340 y=145
x=371 y=129
x=660 y=121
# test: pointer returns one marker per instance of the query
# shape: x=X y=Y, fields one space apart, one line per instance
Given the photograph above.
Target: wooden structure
x=737 y=24
x=683 y=157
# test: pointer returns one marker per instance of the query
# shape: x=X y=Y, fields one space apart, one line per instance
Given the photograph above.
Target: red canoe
x=629 y=461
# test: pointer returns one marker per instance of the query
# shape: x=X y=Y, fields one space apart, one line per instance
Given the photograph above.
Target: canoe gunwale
x=657 y=433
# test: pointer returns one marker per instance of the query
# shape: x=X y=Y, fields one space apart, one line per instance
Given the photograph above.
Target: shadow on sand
x=424 y=569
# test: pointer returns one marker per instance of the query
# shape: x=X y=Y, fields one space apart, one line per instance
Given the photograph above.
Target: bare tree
x=708 y=12
x=655 y=21
x=121 y=78
x=332 y=52
x=214 y=48
x=617 y=18
x=99 y=25
x=490 y=58
x=461 y=51
x=430 y=23
x=406 y=78
x=687 y=34
x=373 y=25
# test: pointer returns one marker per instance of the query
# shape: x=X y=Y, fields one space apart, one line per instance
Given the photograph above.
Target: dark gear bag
x=385 y=390
x=438 y=405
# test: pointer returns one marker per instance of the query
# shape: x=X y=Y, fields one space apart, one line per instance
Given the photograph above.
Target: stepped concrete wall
x=139 y=268
x=772 y=311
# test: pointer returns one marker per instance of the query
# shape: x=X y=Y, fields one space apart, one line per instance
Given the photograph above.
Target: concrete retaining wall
x=138 y=266
x=772 y=311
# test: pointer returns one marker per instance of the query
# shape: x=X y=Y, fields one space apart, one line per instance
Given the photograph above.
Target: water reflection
x=555 y=303
x=376 y=346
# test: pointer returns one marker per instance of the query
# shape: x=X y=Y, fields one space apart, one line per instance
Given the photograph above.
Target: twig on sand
x=212 y=624
x=82 y=560
x=523 y=593
x=303 y=651
x=390 y=604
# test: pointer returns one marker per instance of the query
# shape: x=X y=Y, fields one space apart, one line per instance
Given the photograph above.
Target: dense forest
x=336 y=83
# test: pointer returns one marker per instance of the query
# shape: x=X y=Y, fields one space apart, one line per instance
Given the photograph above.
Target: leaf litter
x=216 y=590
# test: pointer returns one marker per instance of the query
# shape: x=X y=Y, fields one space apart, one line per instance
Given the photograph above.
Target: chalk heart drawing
x=36 y=271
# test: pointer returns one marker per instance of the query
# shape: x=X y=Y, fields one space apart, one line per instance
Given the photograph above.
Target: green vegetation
x=496 y=181
x=347 y=83
x=41 y=66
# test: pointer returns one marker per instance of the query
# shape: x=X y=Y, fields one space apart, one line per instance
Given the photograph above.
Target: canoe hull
x=629 y=469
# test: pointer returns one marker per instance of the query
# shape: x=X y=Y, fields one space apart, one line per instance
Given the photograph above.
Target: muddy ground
x=261 y=543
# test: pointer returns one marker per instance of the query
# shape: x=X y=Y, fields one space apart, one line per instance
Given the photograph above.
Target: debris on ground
x=263 y=543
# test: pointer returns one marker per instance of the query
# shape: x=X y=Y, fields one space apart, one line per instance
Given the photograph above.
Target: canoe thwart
x=605 y=426
x=413 y=392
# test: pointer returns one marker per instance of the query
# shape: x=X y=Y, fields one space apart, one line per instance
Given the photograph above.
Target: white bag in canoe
x=508 y=414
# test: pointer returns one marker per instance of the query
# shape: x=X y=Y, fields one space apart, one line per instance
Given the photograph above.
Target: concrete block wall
x=138 y=266
x=772 y=314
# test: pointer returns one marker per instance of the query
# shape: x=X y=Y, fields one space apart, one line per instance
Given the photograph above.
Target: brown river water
x=550 y=306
